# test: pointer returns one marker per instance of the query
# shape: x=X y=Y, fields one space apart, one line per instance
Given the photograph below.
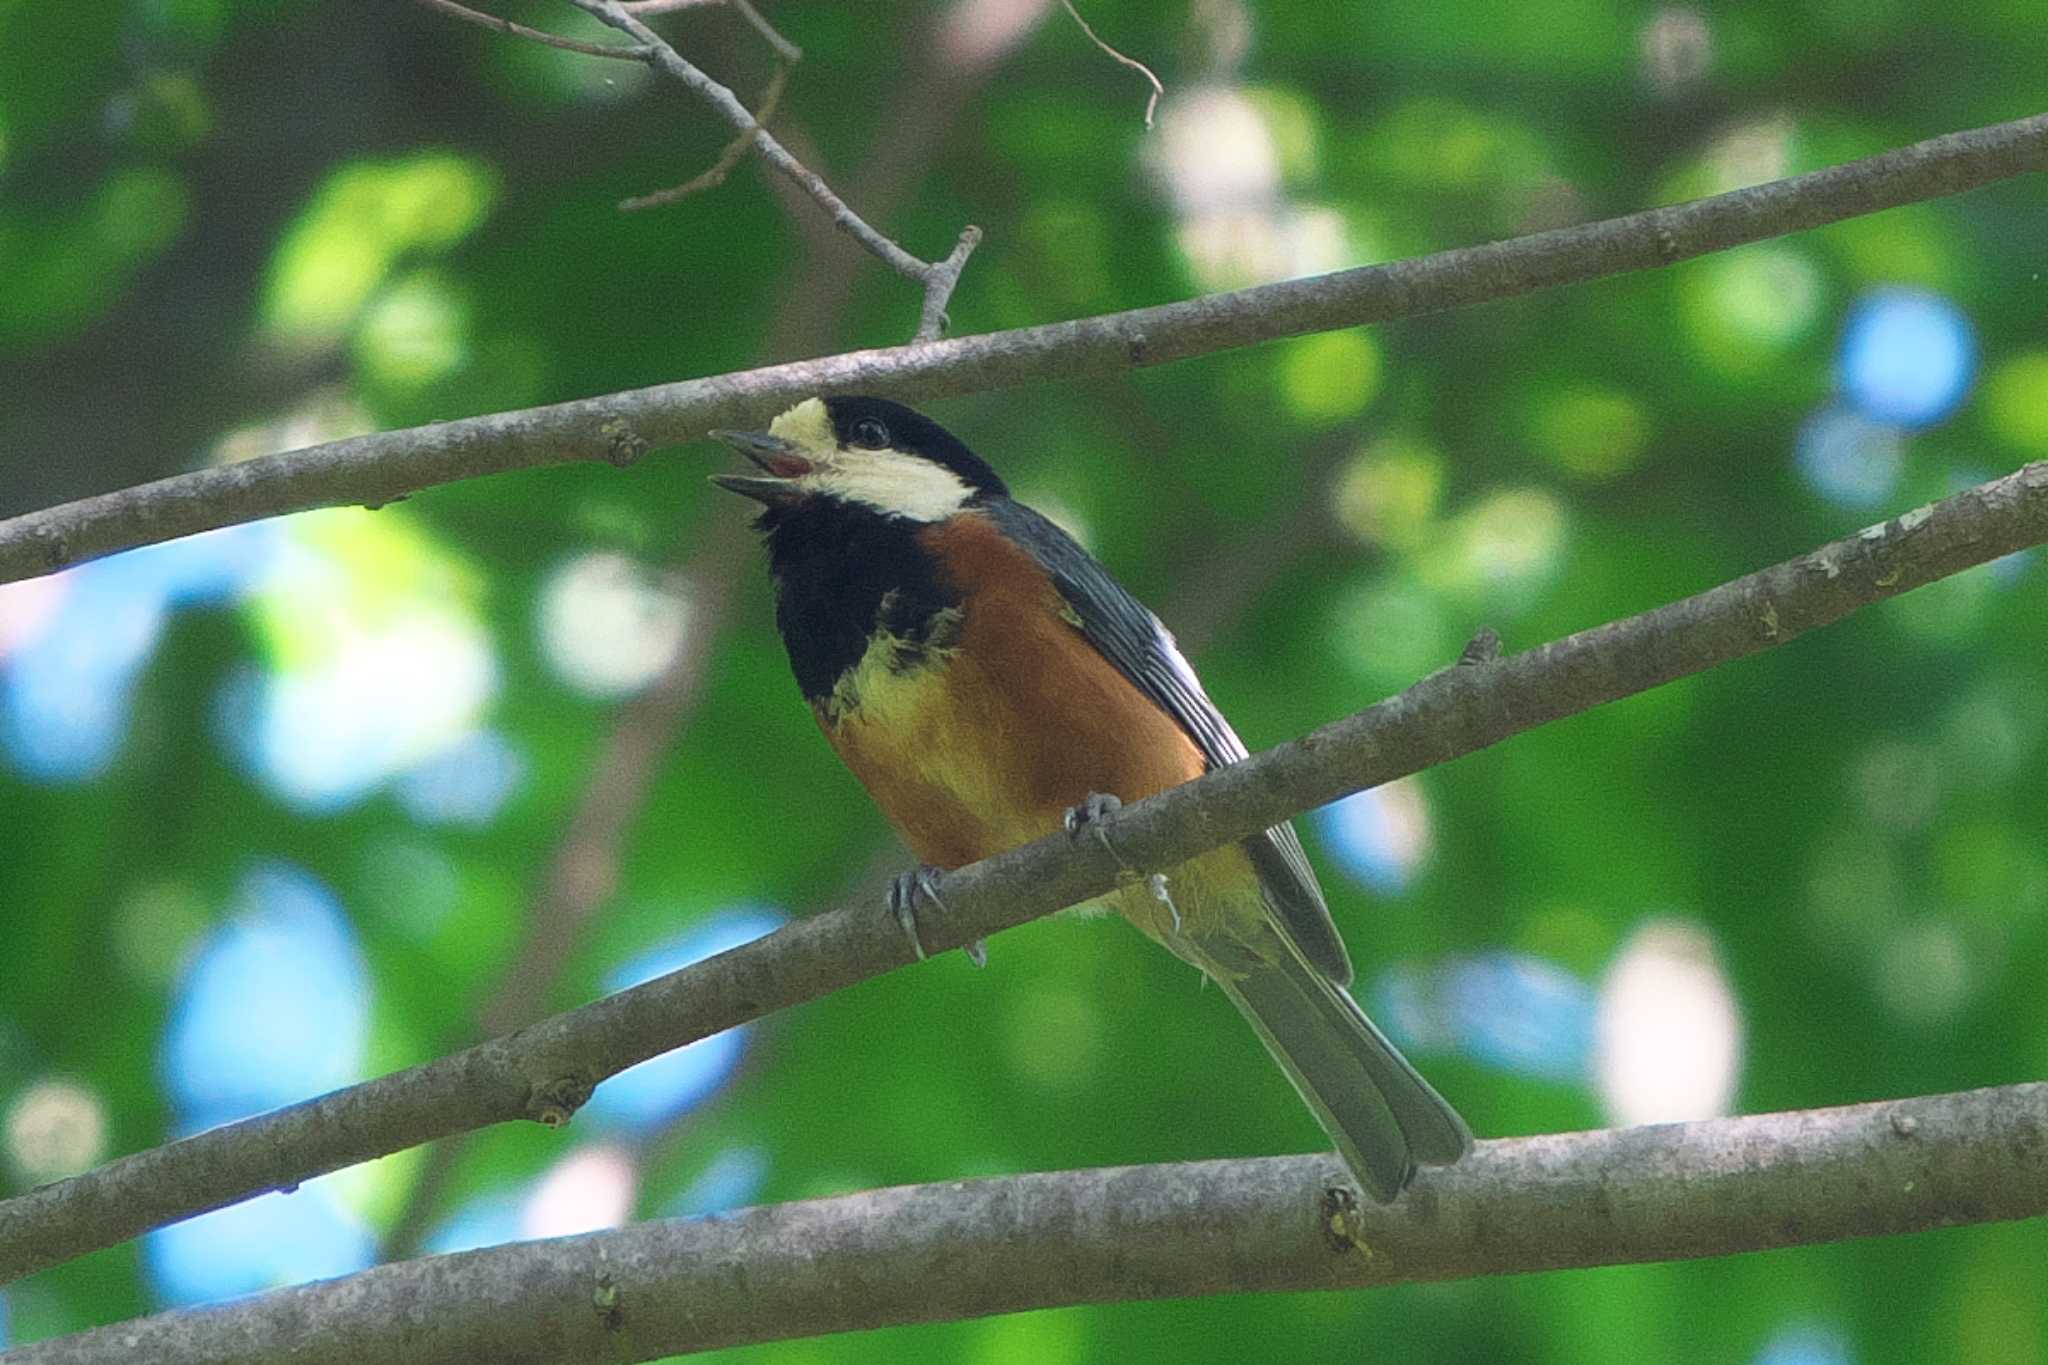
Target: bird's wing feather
x=1131 y=638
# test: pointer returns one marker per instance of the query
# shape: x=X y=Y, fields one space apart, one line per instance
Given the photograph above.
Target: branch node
x=56 y=548
x=1905 y=1125
x=623 y=445
x=940 y=277
x=1482 y=648
x=553 y=1104
x=605 y=1300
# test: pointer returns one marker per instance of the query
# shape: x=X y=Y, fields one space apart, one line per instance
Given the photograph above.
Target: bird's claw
x=1094 y=813
x=923 y=880
x=1095 y=807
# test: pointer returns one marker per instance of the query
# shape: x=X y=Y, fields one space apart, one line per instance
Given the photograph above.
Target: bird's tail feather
x=1379 y=1111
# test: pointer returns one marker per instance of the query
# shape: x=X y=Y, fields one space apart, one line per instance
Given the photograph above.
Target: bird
x=989 y=683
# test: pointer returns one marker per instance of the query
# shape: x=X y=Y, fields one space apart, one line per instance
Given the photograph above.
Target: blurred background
x=297 y=803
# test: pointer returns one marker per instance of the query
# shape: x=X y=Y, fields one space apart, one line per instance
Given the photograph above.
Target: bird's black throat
x=844 y=572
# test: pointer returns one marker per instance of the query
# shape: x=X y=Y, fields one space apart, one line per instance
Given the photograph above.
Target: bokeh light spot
x=1381 y=836
x=487 y=1220
x=1506 y=546
x=1849 y=459
x=608 y=626
x=1676 y=49
x=1806 y=1343
x=1054 y=1039
x=378 y=656
x=274 y=1006
x=261 y=1243
x=1329 y=377
x=2016 y=402
x=414 y=333
x=662 y=1087
x=1898 y=785
x=358 y=224
x=77 y=650
x=1390 y=632
x=1924 y=973
x=1388 y=493
x=154 y=929
x=1745 y=309
x=1668 y=1032
x=1853 y=890
x=1510 y=1010
x=1591 y=430
x=1219 y=163
x=54 y=1129
x=732 y=1180
x=1906 y=358
x=466 y=783
x=1522 y=1014
x=586 y=1191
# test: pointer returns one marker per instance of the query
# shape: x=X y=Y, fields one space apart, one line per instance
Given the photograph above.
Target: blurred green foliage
x=230 y=226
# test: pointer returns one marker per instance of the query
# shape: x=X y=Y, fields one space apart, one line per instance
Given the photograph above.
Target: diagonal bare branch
x=546 y=1071
x=968 y=1249
x=1152 y=103
x=711 y=179
x=383 y=467
x=635 y=53
x=937 y=279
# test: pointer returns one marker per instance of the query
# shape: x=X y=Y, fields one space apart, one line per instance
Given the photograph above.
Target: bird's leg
x=1094 y=808
x=1157 y=886
x=923 y=880
x=1093 y=813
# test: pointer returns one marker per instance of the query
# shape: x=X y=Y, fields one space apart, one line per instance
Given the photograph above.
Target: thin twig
x=635 y=53
x=785 y=49
x=727 y=159
x=546 y=1071
x=968 y=1249
x=387 y=466
x=936 y=277
x=1133 y=63
x=665 y=6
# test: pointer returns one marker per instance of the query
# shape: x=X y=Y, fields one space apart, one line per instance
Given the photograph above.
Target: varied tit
x=989 y=683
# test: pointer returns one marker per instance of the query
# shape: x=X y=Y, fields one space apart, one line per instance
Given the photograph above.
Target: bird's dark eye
x=870 y=434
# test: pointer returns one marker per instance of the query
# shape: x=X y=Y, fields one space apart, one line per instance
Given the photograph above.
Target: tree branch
x=712 y=178
x=620 y=427
x=1152 y=101
x=635 y=53
x=937 y=277
x=967 y=1249
x=546 y=1071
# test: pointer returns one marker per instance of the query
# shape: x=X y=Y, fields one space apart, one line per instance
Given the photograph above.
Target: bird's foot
x=1095 y=807
x=923 y=880
x=1095 y=812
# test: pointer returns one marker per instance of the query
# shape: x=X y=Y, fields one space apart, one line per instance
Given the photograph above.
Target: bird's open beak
x=777 y=457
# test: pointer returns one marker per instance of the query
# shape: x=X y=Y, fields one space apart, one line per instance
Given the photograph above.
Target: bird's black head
x=870 y=453
x=847 y=486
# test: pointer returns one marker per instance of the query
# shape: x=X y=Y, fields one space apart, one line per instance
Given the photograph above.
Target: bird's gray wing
x=1132 y=638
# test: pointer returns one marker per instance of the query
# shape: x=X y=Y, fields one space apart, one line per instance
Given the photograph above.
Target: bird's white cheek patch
x=899 y=485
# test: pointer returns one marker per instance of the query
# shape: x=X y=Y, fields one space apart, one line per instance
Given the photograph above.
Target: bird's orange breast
x=985 y=743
